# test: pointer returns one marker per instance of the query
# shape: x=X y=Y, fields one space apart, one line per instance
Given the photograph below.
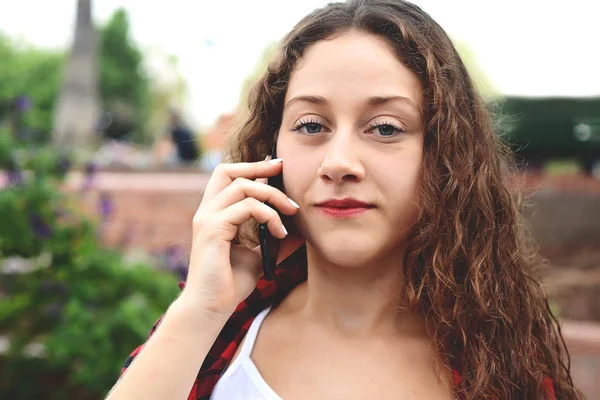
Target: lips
x=345 y=203
x=344 y=208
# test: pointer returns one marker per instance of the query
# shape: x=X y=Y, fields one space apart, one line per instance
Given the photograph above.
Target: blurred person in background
x=403 y=272
x=183 y=139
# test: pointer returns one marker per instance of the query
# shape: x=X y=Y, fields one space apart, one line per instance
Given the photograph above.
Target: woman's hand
x=222 y=275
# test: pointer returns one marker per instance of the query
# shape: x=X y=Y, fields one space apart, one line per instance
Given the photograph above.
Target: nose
x=342 y=159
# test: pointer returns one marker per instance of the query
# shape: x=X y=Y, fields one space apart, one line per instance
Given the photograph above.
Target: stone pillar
x=78 y=105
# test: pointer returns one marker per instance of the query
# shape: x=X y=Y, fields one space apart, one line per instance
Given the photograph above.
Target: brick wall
x=148 y=211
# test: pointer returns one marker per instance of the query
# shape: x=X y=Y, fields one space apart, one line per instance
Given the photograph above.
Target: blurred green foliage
x=554 y=128
x=71 y=310
x=31 y=72
x=37 y=74
x=551 y=124
x=124 y=86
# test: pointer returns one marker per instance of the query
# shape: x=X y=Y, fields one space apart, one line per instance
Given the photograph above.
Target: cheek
x=404 y=190
x=296 y=176
x=298 y=168
x=412 y=178
x=402 y=185
x=296 y=180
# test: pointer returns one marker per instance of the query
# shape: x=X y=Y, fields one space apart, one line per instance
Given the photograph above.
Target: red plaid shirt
x=266 y=294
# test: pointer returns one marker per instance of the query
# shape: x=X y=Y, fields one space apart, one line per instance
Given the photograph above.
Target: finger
x=243 y=188
x=264 y=180
x=242 y=211
x=287 y=247
x=225 y=173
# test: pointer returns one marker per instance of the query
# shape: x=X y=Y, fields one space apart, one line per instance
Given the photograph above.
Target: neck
x=354 y=300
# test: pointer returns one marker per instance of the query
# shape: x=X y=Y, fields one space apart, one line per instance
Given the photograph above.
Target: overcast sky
x=525 y=47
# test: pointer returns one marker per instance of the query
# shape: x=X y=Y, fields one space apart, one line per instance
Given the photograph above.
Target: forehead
x=353 y=64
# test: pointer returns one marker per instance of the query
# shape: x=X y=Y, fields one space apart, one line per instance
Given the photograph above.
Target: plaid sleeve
x=549 y=387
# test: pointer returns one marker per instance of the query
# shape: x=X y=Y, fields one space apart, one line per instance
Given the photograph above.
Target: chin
x=351 y=253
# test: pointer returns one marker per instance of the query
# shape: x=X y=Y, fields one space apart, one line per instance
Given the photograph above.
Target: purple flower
x=14 y=173
x=90 y=172
x=182 y=271
x=105 y=205
x=176 y=261
x=173 y=254
x=23 y=103
x=15 y=177
x=91 y=168
x=39 y=226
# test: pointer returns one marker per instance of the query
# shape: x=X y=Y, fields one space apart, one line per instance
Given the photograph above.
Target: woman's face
x=353 y=128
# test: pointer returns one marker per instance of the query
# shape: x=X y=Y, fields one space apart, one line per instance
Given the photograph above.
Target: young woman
x=404 y=273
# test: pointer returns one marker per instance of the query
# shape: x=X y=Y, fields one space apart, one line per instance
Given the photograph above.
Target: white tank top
x=242 y=381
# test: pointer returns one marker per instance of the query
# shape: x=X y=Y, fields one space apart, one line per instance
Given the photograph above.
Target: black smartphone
x=269 y=245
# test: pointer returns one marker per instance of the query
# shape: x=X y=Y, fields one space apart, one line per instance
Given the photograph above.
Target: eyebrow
x=376 y=101
x=373 y=101
x=319 y=100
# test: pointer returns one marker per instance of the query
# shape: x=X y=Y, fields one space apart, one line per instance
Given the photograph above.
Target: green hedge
x=73 y=310
x=553 y=127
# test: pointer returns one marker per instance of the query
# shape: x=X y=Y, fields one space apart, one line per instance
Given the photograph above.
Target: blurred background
x=113 y=114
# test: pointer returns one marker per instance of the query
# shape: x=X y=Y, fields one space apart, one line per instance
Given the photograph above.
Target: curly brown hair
x=468 y=266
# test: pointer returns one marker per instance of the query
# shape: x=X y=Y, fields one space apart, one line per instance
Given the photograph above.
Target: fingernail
x=268 y=157
x=293 y=203
x=275 y=161
x=284 y=230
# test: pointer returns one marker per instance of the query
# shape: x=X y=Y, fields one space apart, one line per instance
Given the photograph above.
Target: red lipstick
x=344 y=208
